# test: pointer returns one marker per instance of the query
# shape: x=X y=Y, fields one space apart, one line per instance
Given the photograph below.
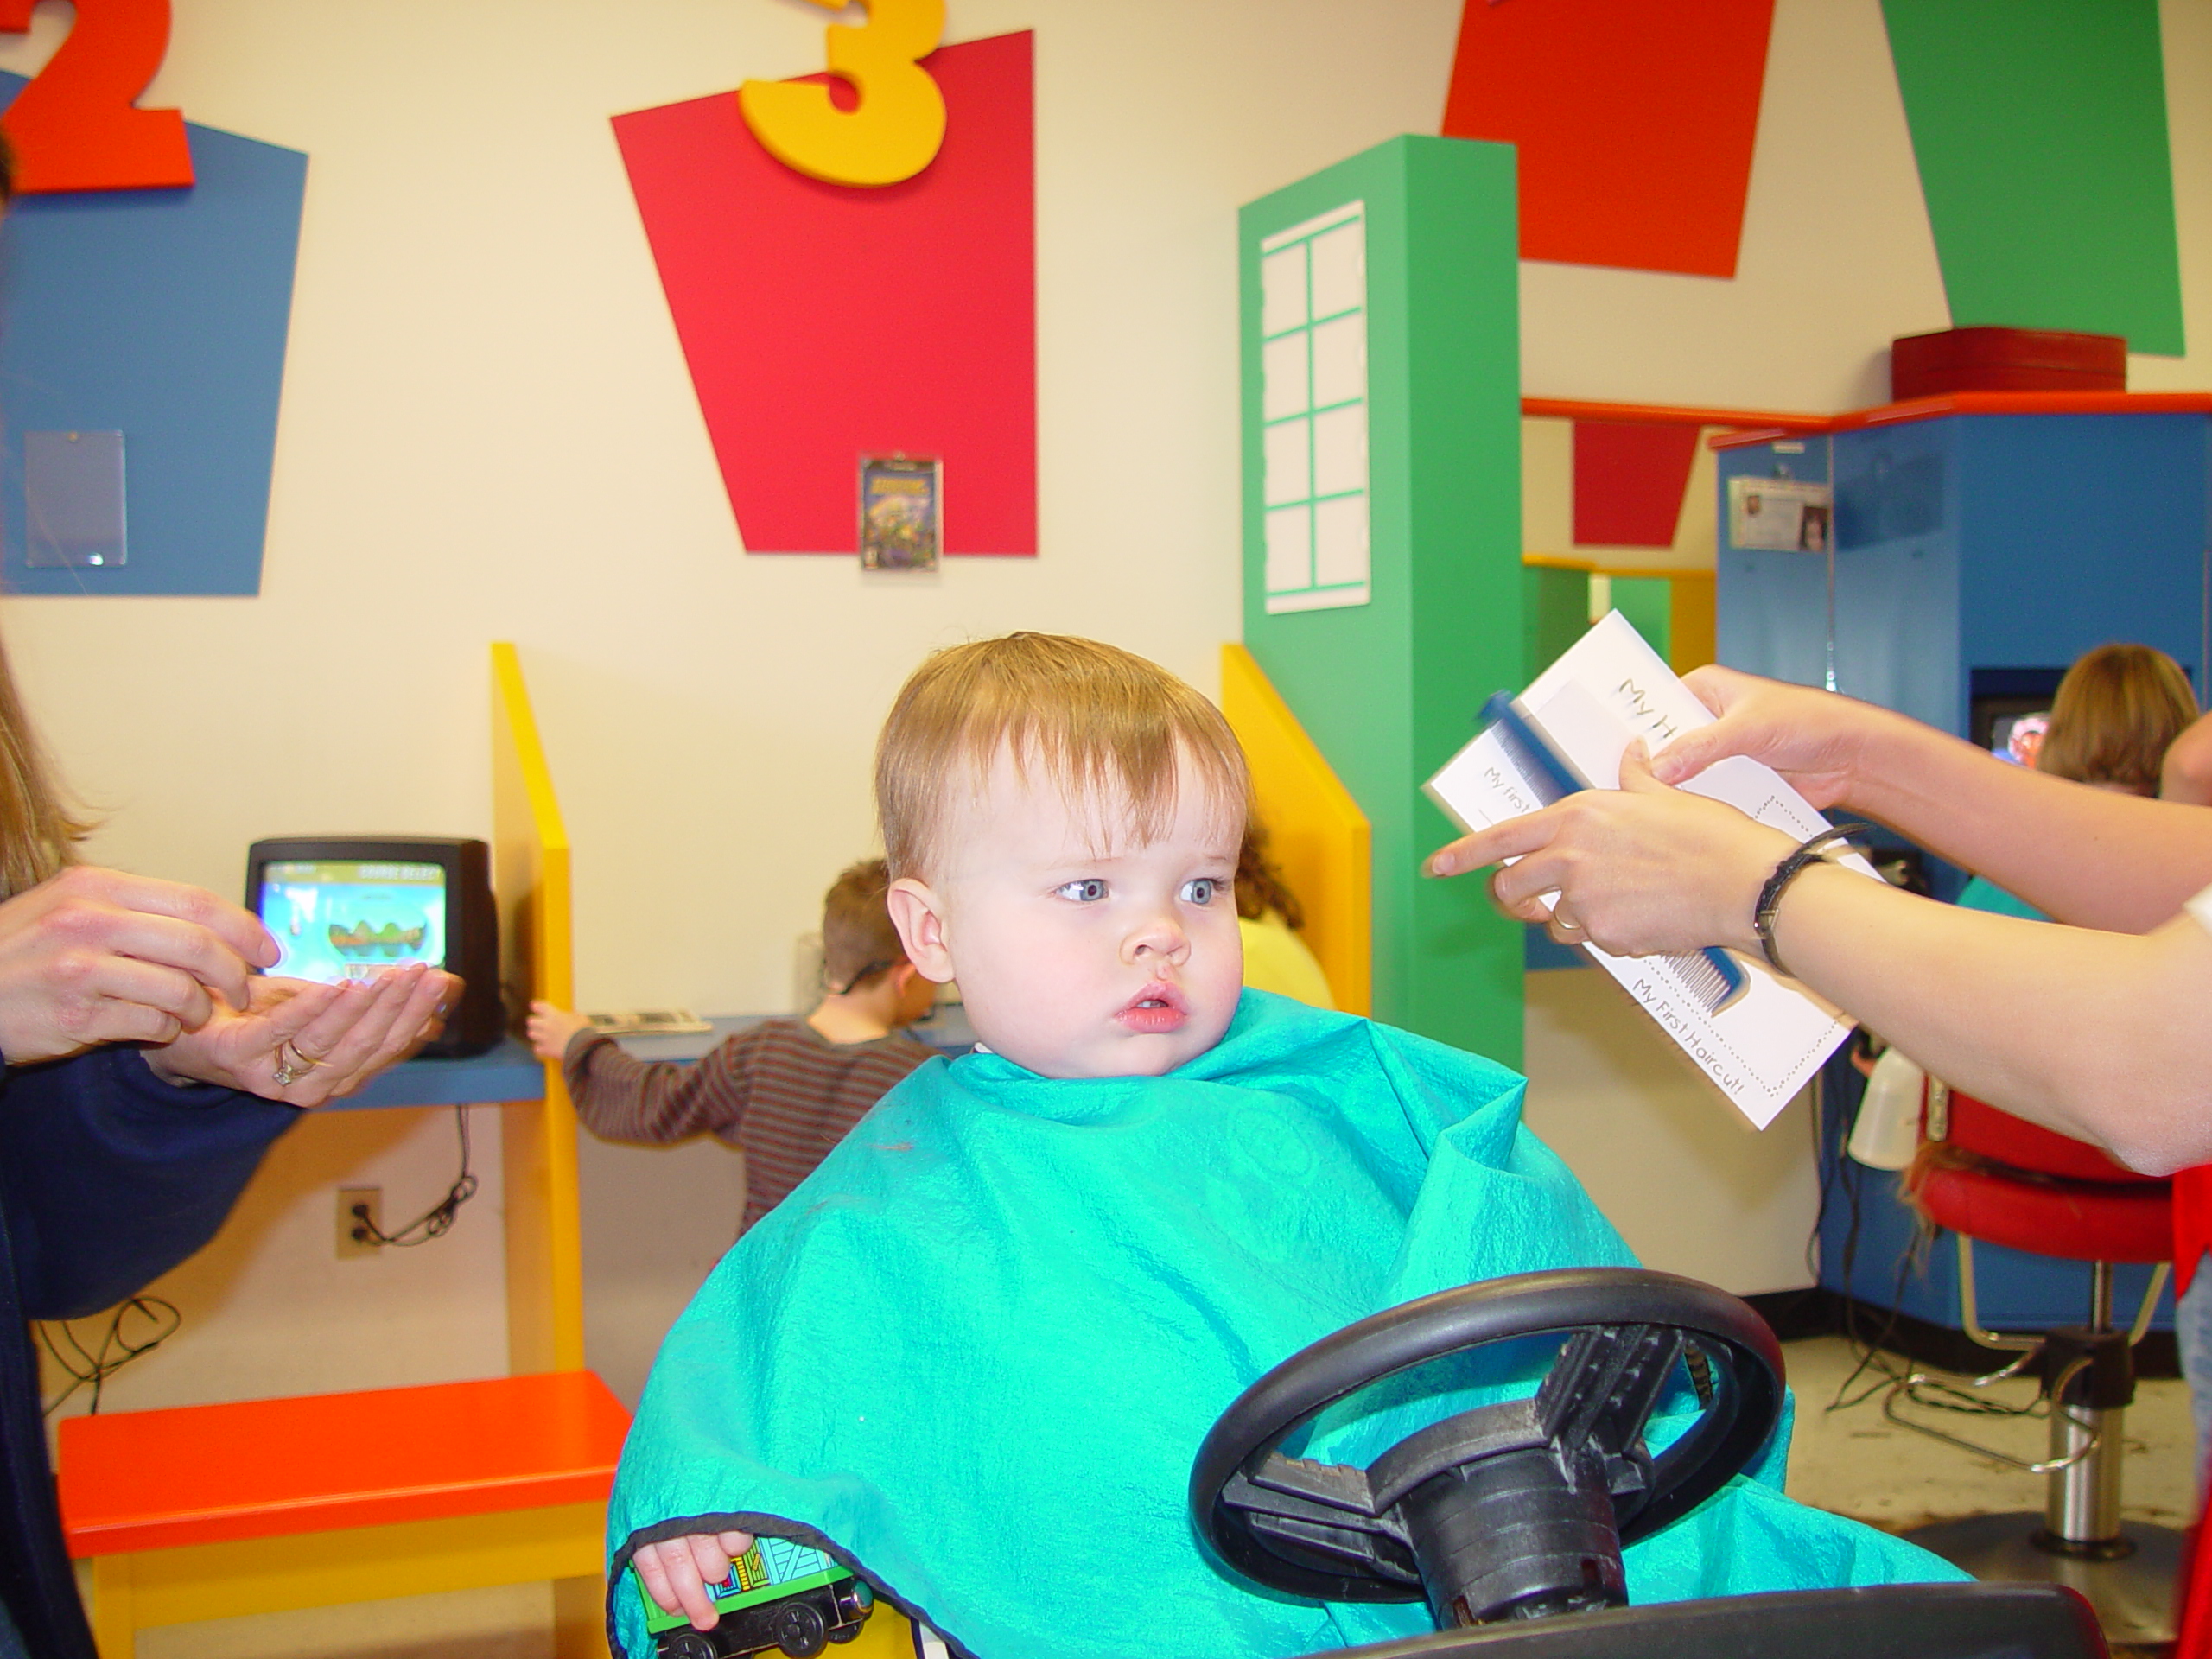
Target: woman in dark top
x=143 y=1072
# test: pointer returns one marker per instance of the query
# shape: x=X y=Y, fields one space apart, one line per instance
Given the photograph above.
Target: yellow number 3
x=896 y=130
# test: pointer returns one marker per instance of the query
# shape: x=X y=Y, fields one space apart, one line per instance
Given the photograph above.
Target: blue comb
x=1711 y=978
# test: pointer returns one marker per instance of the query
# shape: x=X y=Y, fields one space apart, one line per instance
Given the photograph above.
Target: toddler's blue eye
x=1201 y=891
x=1088 y=890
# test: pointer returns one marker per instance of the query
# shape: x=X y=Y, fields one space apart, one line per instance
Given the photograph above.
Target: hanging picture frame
x=902 y=512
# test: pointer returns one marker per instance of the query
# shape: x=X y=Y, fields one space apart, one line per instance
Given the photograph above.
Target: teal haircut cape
x=973 y=1354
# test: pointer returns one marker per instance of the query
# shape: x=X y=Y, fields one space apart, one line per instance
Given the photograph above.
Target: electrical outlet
x=370 y=1198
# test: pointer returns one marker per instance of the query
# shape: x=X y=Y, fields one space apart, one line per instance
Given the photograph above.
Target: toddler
x=973 y=1355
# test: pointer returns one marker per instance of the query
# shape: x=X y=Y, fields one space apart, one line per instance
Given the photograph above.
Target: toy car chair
x=2009 y=1182
x=1509 y=1520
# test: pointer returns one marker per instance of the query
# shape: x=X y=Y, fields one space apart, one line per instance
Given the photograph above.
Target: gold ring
x=289 y=1070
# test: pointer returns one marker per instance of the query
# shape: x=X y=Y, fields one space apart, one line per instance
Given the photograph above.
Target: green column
x=1555 y=614
x=1382 y=581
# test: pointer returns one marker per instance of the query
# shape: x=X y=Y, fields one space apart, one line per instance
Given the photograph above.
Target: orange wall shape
x=1634 y=124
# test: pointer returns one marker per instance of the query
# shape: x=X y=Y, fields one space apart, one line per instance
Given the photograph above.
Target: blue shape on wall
x=160 y=315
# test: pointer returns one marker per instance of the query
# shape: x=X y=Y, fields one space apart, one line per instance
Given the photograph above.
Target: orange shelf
x=1980 y=403
x=146 y=1480
x=1570 y=409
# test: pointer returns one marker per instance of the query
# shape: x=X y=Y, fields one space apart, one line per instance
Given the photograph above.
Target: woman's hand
x=94 y=955
x=1641 y=870
x=1817 y=740
x=303 y=1043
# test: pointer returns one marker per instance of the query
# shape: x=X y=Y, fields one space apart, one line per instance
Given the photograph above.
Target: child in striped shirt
x=783 y=1091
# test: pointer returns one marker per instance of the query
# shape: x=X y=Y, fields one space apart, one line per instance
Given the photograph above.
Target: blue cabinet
x=1973 y=544
x=1974 y=554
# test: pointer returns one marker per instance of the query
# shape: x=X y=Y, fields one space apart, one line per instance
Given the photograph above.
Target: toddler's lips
x=1156 y=1009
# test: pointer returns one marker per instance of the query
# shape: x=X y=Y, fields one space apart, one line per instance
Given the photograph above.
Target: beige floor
x=1849 y=1460
x=1854 y=1462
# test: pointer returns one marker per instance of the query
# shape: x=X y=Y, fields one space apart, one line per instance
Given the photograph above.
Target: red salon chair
x=2029 y=1189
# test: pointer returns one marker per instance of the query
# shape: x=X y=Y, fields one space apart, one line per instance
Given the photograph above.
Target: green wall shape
x=1647 y=603
x=1555 y=614
x=1388 y=685
x=2040 y=131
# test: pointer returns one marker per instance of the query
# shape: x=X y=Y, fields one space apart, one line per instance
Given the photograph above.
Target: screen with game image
x=350 y=907
x=345 y=918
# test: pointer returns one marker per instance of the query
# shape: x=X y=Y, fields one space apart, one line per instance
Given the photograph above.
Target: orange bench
x=212 y=1511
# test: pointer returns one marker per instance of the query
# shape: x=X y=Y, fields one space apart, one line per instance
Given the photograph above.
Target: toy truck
x=779 y=1596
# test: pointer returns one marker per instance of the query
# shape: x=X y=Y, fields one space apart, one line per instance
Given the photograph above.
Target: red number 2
x=76 y=127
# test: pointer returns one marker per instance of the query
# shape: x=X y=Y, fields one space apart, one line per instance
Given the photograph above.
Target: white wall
x=487 y=433
x=1691 y=1186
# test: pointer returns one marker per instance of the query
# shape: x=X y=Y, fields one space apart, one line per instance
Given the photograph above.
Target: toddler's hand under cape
x=676 y=1573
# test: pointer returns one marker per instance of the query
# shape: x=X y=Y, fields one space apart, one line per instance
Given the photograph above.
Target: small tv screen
x=339 y=919
x=350 y=906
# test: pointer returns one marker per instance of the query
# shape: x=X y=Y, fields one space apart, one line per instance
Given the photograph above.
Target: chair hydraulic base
x=2132 y=1594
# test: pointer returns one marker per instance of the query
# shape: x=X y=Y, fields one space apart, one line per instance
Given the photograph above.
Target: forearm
x=2099 y=1035
x=113 y=1176
x=620 y=1097
x=2086 y=857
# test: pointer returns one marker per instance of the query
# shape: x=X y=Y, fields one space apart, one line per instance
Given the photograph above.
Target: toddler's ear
x=916 y=912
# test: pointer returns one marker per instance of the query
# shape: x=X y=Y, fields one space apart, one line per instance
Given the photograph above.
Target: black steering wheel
x=1514 y=1510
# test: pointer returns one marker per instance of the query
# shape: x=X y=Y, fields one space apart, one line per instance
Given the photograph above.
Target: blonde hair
x=859 y=943
x=2117 y=710
x=1105 y=725
x=40 y=828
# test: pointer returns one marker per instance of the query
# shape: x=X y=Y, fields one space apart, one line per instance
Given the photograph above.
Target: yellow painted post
x=1316 y=832
x=545 y=1309
x=113 y=1609
x=1694 y=633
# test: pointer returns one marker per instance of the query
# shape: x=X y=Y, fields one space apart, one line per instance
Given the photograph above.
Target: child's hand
x=678 y=1571
x=550 y=1029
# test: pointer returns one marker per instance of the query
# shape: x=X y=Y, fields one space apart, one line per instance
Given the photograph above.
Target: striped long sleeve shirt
x=781 y=1092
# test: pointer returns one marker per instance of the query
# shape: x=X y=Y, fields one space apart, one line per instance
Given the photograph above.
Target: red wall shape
x=822 y=321
x=1635 y=123
x=1629 y=480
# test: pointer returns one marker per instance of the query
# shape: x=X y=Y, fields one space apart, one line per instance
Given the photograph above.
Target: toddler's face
x=1075 y=962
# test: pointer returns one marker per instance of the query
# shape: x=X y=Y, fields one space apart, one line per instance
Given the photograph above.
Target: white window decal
x=1313 y=411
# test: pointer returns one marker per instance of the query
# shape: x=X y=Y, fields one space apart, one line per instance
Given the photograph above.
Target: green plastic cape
x=973 y=1354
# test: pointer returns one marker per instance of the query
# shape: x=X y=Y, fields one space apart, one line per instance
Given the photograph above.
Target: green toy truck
x=780 y=1595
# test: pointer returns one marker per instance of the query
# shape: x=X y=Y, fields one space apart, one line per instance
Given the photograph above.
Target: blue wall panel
x=1897 y=569
x=1965 y=544
x=1771 y=609
x=161 y=314
x=2086 y=529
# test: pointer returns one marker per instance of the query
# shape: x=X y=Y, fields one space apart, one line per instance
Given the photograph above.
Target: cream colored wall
x=1691 y=1186
x=487 y=432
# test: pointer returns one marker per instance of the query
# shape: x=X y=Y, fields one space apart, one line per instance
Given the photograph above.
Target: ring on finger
x=292 y=1064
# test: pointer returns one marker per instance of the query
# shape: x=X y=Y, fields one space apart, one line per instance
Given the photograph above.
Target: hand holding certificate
x=1758 y=1043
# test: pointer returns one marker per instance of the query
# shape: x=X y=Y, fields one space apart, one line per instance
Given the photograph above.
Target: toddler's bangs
x=1106 y=727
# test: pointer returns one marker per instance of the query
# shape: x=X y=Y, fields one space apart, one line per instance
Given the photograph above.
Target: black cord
x=434 y=1223
x=116 y=1350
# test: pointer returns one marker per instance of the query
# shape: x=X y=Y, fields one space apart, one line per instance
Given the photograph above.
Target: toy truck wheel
x=799 y=1630
x=689 y=1645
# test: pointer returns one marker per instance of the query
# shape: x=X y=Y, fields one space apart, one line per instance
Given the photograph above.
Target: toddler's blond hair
x=1107 y=726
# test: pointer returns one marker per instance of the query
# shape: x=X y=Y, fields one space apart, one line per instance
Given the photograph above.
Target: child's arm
x=677 y=1571
x=619 y=1097
x=552 y=1029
